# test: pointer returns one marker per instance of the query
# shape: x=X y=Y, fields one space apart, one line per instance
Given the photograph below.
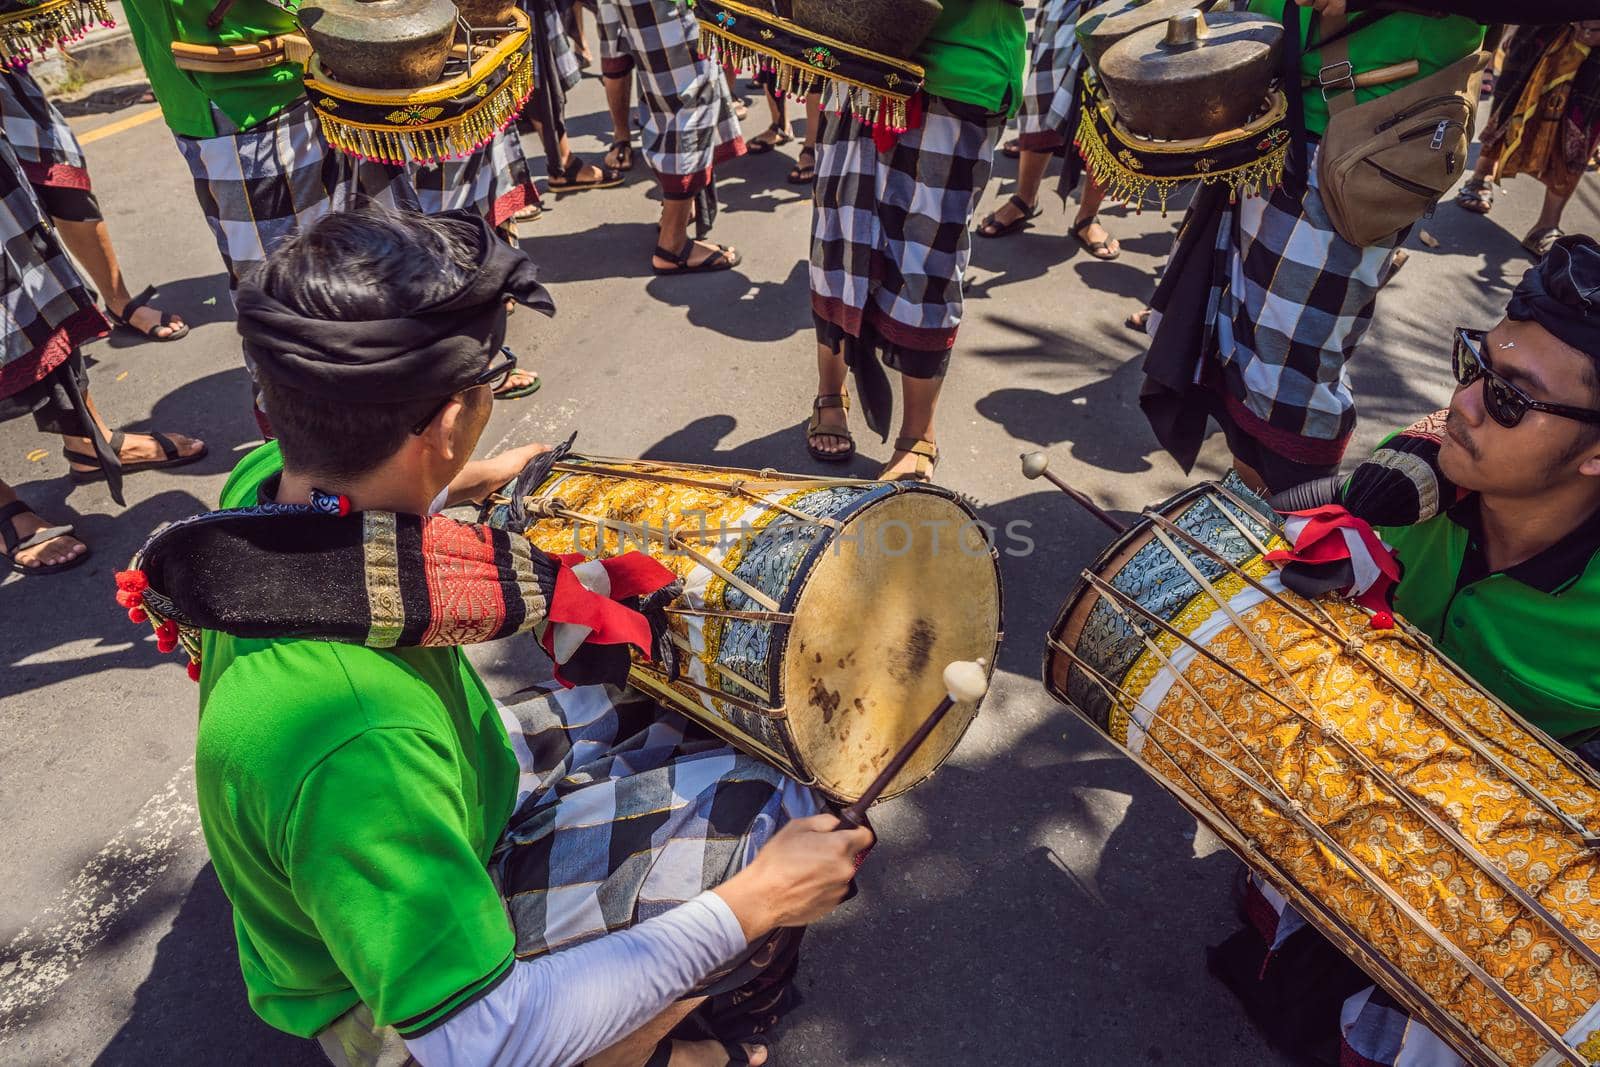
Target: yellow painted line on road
x=112 y=128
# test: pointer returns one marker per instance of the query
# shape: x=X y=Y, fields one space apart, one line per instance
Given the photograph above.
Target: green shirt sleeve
x=378 y=855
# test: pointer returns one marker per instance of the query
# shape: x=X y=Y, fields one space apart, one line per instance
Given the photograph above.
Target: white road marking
x=41 y=958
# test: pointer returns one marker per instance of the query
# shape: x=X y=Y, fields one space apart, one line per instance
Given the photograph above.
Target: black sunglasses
x=494 y=376
x=1505 y=403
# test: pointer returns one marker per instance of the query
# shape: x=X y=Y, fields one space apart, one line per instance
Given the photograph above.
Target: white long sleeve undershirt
x=566 y=1006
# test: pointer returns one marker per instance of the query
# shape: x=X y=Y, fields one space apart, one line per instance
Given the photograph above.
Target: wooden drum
x=1442 y=842
x=818 y=614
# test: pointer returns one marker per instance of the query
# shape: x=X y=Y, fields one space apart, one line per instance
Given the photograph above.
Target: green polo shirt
x=975 y=54
x=1434 y=43
x=1529 y=634
x=350 y=798
x=246 y=97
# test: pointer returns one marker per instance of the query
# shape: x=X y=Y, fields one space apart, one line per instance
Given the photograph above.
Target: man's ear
x=440 y=436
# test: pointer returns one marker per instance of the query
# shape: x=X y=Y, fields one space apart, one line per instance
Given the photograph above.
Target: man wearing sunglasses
x=1493 y=510
x=414 y=870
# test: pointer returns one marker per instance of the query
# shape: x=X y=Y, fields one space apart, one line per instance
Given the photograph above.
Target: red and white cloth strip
x=1330 y=534
x=586 y=606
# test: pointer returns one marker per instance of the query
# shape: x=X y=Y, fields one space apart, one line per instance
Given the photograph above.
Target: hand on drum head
x=801 y=875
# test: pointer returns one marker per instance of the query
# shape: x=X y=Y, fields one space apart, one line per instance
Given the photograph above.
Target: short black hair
x=356 y=266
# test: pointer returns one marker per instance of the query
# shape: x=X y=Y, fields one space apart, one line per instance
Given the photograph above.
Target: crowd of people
x=671 y=871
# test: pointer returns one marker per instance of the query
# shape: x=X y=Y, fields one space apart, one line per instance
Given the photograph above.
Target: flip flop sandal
x=122 y=321
x=567 y=181
x=724 y=258
x=1100 y=250
x=624 y=151
x=531 y=213
x=522 y=390
x=1539 y=242
x=1476 y=195
x=991 y=226
x=803 y=173
x=927 y=454
x=757 y=147
x=814 y=428
x=1012 y=149
x=174 y=458
x=15 y=543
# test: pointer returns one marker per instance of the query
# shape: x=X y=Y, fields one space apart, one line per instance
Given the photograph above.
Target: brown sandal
x=814 y=428
x=927 y=454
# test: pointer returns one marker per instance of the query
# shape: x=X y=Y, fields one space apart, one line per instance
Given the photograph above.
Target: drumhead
x=907 y=586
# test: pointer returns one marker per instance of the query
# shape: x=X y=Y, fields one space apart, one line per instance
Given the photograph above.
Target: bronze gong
x=381 y=44
x=1194 y=76
x=1105 y=24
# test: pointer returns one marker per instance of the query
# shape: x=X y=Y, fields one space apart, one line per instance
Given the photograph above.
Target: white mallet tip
x=966 y=680
x=1034 y=464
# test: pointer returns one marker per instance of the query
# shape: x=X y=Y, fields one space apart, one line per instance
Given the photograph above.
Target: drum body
x=818 y=615
x=1420 y=825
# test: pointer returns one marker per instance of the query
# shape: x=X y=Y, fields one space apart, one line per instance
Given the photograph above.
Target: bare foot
x=136 y=448
x=831 y=419
x=54 y=551
x=147 y=320
x=712 y=1054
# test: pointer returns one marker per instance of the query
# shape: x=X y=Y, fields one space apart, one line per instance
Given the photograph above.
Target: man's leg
x=136 y=447
x=1031 y=166
x=1088 y=231
x=89 y=241
x=619 y=101
x=805 y=167
x=921 y=399
x=833 y=423
x=1550 y=214
x=674 y=235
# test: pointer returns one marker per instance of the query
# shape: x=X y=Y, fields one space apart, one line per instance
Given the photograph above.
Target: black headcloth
x=1562 y=293
x=432 y=352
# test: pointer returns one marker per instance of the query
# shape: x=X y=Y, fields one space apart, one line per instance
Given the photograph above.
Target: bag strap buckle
x=1337 y=78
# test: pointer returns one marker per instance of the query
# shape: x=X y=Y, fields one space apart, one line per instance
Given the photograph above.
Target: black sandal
x=567 y=180
x=174 y=458
x=814 y=428
x=757 y=147
x=15 y=543
x=724 y=258
x=1100 y=250
x=735 y=1051
x=624 y=151
x=803 y=173
x=122 y=322
x=991 y=226
x=1476 y=195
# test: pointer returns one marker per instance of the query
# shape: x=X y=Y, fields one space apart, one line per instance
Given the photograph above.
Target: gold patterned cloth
x=1341 y=762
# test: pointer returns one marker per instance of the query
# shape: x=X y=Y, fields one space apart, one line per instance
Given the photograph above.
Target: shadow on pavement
x=199 y=300
x=102 y=101
x=192 y=1007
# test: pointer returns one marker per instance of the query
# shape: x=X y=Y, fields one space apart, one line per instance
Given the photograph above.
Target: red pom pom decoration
x=137 y=615
x=1382 y=620
x=194 y=670
x=129 y=599
x=344 y=505
x=132 y=581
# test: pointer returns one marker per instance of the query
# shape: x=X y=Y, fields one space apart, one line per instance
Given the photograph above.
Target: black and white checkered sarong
x=626 y=810
x=43 y=142
x=689 y=124
x=1048 y=119
x=890 y=230
x=259 y=186
x=1290 y=302
x=47 y=309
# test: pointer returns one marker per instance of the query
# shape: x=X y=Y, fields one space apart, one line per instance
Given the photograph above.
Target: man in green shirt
x=889 y=233
x=1493 y=509
x=262 y=168
x=406 y=877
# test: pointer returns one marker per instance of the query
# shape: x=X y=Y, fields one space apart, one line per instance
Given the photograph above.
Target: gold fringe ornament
x=876 y=89
x=448 y=120
x=29 y=31
x=1250 y=160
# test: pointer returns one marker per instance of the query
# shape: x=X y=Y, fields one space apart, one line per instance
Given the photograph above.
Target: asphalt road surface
x=1038 y=902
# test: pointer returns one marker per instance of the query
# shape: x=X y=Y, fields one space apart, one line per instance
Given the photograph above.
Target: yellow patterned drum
x=1445 y=844
x=818 y=615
